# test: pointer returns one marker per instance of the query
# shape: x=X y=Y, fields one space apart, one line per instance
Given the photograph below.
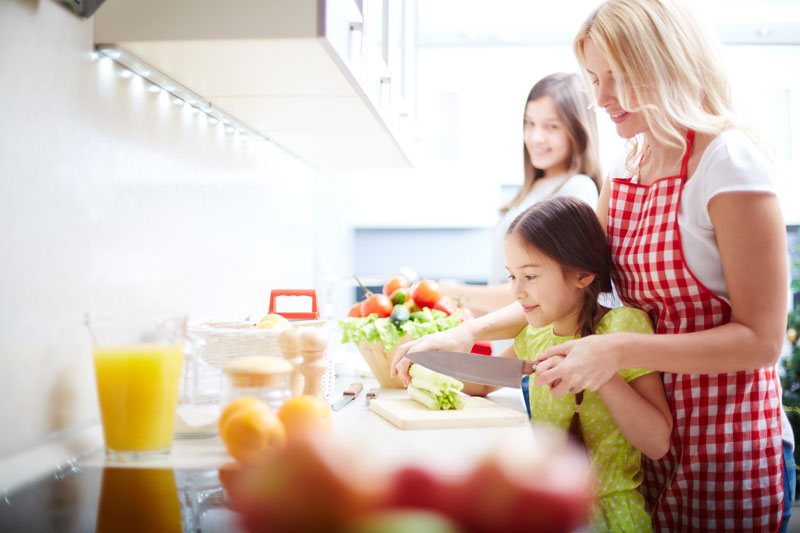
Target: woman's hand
x=581 y=364
x=457 y=339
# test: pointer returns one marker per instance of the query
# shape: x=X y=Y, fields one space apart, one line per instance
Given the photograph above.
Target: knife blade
x=348 y=396
x=488 y=370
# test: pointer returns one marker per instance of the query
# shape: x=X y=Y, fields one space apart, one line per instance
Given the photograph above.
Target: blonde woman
x=560 y=158
x=698 y=242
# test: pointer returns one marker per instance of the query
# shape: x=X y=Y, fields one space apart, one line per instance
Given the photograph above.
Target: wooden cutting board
x=405 y=413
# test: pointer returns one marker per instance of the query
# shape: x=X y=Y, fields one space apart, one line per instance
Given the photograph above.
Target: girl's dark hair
x=567 y=230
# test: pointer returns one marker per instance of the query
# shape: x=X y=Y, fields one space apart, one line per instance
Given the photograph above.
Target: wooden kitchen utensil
x=313 y=342
x=406 y=413
x=290 y=347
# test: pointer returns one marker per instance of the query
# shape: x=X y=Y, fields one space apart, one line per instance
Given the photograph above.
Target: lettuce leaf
x=374 y=329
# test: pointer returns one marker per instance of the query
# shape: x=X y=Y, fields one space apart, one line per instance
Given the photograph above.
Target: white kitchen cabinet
x=311 y=75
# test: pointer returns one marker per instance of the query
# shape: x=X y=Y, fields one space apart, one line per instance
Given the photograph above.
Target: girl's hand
x=458 y=339
x=587 y=364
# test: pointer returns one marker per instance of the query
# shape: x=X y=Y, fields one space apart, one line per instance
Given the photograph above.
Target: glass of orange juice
x=137 y=363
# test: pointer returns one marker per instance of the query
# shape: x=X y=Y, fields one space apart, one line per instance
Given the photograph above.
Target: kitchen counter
x=97 y=494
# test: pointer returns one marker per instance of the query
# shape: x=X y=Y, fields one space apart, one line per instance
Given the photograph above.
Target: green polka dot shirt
x=616 y=462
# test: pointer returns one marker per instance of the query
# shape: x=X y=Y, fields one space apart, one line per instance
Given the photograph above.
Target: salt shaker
x=264 y=377
x=289 y=344
x=313 y=342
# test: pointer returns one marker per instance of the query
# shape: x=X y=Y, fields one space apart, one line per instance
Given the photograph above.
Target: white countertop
x=374 y=437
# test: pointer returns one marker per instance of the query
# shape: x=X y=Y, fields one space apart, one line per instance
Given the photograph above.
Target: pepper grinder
x=313 y=343
x=289 y=344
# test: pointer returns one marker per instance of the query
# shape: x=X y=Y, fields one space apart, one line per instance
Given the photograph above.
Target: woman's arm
x=504 y=323
x=752 y=243
x=602 y=204
x=641 y=412
x=481 y=298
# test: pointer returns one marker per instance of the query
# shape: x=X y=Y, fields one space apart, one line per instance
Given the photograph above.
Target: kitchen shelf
x=299 y=72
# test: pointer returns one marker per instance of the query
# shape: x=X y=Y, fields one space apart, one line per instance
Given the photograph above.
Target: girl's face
x=628 y=124
x=546 y=137
x=547 y=293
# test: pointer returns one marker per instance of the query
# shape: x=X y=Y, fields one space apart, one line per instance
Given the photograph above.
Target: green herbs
x=374 y=329
x=433 y=390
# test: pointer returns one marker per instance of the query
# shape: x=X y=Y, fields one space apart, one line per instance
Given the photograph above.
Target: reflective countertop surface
x=118 y=499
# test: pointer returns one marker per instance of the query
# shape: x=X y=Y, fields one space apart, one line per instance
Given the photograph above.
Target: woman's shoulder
x=623 y=318
x=732 y=162
x=735 y=150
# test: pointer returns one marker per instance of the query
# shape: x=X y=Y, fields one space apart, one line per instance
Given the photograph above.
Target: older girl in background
x=560 y=158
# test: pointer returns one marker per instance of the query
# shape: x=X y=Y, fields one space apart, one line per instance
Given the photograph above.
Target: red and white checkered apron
x=723 y=470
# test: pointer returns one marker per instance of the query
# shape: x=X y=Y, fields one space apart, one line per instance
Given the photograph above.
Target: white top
x=731 y=162
x=580 y=186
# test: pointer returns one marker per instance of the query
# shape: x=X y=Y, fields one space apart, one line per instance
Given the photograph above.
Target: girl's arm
x=481 y=298
x=504 y=323
x=752 y=243
x=641 y=412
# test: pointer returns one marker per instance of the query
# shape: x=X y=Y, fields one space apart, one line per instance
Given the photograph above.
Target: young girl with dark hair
x=558 y=263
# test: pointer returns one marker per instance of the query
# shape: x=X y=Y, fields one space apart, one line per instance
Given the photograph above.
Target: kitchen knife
x=496 y=371
x=348 y=396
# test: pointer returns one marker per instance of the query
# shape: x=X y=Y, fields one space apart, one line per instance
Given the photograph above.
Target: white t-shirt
x=731 y=162
x=580 y=186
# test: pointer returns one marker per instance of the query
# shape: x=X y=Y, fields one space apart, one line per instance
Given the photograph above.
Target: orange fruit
x=305 y=414
x=233 y=406
x=252 y=433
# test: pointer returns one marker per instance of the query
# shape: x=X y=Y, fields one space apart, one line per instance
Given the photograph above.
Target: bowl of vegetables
x=400 y=313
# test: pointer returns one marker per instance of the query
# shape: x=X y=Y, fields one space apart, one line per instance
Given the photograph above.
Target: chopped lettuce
x=433 y=390
x=374 y=329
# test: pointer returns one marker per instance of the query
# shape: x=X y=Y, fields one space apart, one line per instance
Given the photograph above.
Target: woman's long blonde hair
x=661 y=53
x=572 y=105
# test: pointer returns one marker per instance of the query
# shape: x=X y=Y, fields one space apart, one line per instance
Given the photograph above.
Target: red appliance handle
x=312 y=315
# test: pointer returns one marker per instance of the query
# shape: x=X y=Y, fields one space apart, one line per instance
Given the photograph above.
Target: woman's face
x=546 y=138
x=628 y=123
x=547 y=294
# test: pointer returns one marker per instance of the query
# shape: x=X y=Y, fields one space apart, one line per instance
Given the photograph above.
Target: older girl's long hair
x=661 y=54
x=567 y=230
x=572 y=105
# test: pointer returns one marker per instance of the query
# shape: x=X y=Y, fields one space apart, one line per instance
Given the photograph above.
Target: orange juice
x=138 y=500
x=137 y=386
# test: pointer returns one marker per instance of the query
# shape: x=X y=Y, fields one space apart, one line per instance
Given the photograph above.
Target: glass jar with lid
x=264 y=377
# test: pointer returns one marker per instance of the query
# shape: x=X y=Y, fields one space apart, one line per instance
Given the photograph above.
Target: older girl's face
x=605 y=91
x=546 y=138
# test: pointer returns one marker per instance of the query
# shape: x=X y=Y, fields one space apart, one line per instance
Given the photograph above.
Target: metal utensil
x=348 y=396
x=496 y=371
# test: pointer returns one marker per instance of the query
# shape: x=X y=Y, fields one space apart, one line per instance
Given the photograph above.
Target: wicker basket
x=379 y=361
x=225 y=341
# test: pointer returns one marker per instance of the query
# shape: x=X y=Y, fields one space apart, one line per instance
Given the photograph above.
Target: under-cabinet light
x=182 y=96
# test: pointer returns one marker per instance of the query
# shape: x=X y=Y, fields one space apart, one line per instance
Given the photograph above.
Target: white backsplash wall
x=111 y=197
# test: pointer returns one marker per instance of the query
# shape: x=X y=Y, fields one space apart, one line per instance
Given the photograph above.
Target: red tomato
x=445 y=305
x=427 y=293
x=355 y=311
x=379 y=304
x=397 y=282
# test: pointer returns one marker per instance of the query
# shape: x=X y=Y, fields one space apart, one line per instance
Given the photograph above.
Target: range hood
x=302 y=73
